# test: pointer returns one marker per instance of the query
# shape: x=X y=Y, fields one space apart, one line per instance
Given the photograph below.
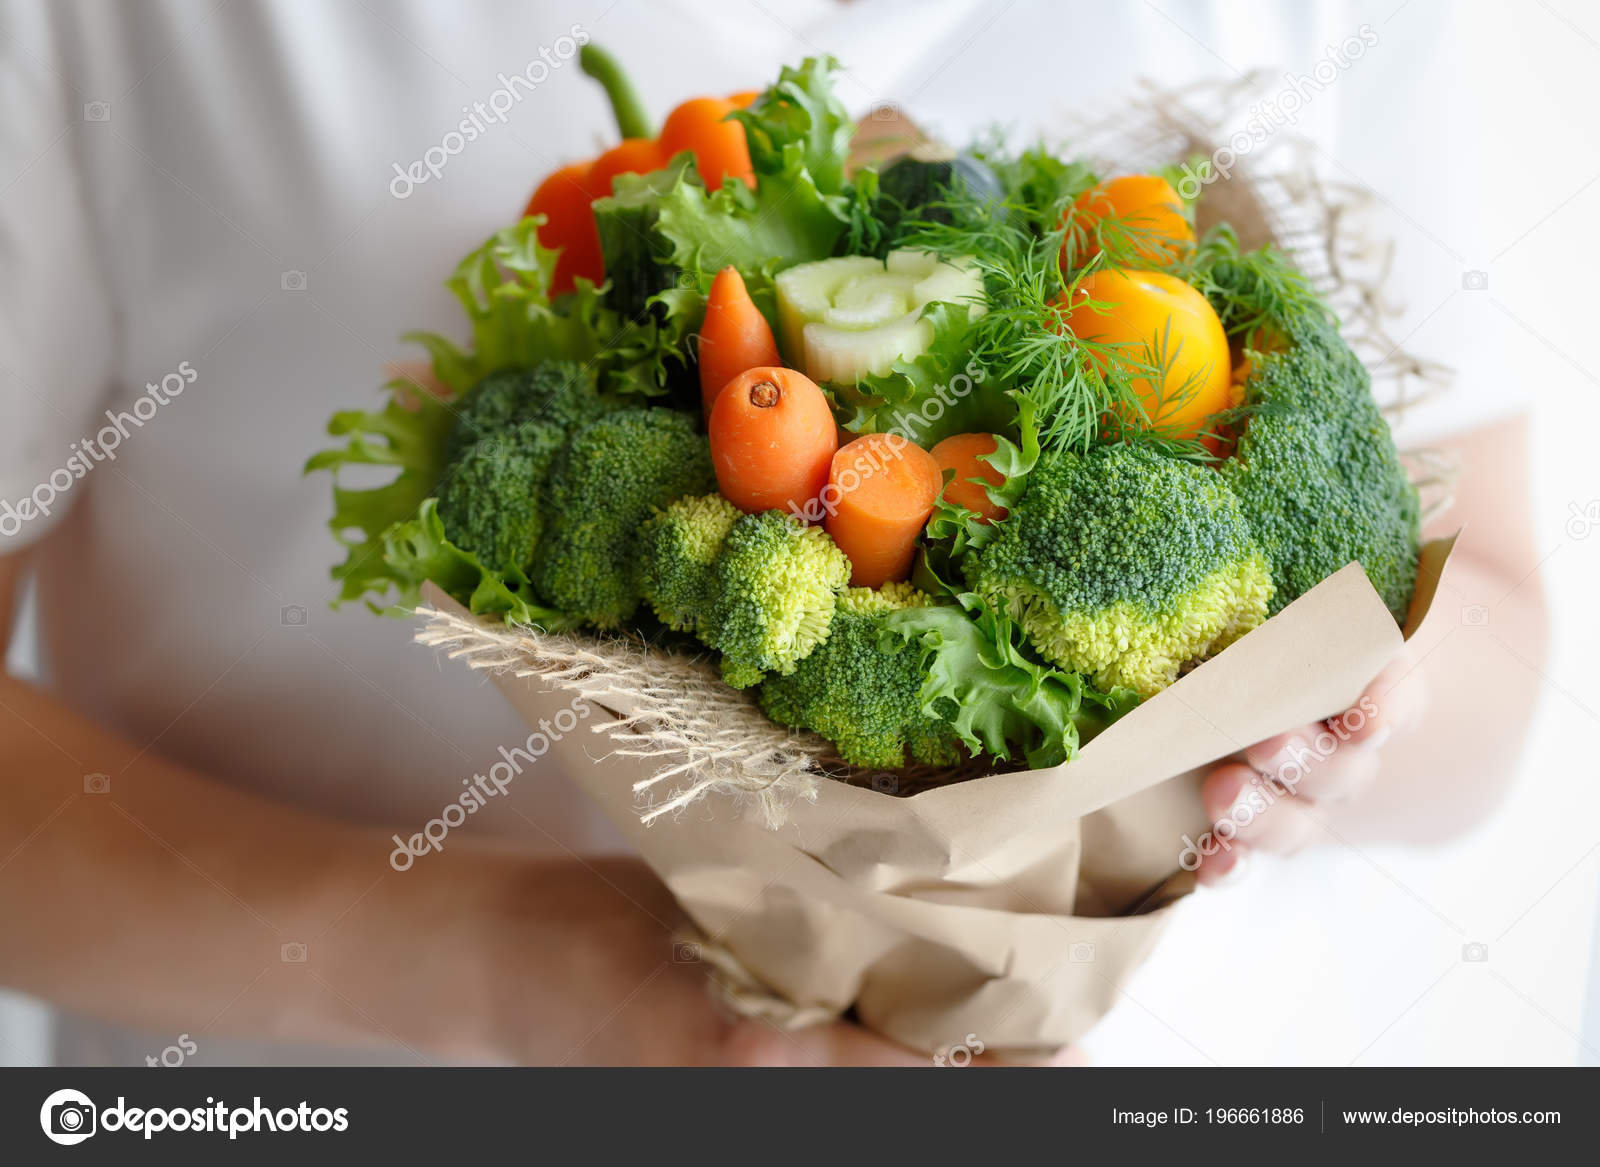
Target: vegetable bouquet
x=951 y=462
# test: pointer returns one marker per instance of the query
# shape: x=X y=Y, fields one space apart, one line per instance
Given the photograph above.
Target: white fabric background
x=248 y=140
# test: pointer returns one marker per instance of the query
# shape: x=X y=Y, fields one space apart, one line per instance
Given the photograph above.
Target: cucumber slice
x=843 y=319
x=806 y=292
x=875 y=308
x=846 y=354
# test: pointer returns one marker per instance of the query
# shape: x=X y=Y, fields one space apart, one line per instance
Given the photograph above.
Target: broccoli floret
x=507 y=433
x=758 y=588
x=605 y=483
x=773 y=590
x=489 y=501
x=1318 y=473
x=676 y=550
x=552 y=397
x=861 y=687
x=1125 y=565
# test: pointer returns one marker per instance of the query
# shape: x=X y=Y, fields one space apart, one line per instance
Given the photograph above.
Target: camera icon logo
x=1475 y=952
x=292 y=616
x=293 y=281
x=1474 y=281
x=292 y=953
x=1081 y=953
x=97 y=111
x=885 y=111
x=886 y=784
x=1475 y=615
x=67 y=1117
x=97 y=783
x=685 y=952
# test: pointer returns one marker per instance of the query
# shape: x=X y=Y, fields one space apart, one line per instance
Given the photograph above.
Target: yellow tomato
x=1165 y=336
x=1146 y=212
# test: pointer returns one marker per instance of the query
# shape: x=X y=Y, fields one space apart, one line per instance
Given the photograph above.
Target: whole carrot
x=734 y=337
x=772 y=440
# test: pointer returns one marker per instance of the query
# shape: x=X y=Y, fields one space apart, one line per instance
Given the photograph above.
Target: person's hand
x=570 y=963
x=1278 y=798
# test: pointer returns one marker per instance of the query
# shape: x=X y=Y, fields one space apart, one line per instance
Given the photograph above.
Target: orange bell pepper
x=702 y=125
x=566 y=197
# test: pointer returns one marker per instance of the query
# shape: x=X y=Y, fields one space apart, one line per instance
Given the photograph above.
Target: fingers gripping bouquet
x=957 y=506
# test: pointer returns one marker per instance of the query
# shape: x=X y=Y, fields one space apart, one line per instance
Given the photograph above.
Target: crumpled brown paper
x=1011 y=907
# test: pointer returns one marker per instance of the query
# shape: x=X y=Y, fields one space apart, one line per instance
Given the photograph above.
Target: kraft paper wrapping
x=1013 y=906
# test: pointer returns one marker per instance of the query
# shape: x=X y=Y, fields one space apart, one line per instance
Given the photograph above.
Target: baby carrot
x=880 y=492
x=735 y=336
x=772 y=440
x=963 y=453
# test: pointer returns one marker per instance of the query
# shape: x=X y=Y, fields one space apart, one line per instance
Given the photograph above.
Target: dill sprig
x=1251 y=289
x=1081 y=392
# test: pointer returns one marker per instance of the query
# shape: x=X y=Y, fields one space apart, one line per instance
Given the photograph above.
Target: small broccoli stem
x=764 y=394
x=626 y=105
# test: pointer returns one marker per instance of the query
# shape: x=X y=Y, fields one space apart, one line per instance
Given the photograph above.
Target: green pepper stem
x=632 y=120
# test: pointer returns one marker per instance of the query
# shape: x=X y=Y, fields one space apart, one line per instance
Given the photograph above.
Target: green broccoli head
x=861 y=688
x=1125 y=565
x=489 y=501
x=613 y=474
x=507 y=432
x=758 y=588
x=552 y=398
x=1318 y=473
x=676 y=550
x=773 y=590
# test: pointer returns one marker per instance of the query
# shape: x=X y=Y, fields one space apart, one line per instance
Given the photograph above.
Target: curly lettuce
x=994 y=697
x=504 y=286
x=801 y=206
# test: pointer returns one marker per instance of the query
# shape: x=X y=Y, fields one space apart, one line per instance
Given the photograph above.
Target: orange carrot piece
x=963 y=453
x=734 y=337
x=881 y=490
x=772 y=440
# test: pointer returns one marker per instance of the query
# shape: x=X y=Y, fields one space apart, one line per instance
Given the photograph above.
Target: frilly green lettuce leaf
x=996 y=698
x=799 y=122
x=393 y=538
x=504 y=288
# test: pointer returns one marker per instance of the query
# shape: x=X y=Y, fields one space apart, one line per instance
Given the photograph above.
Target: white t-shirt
x=199 y=198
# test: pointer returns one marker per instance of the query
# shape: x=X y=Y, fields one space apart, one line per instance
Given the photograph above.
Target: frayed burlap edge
x=711 y=739
x=708 y=736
